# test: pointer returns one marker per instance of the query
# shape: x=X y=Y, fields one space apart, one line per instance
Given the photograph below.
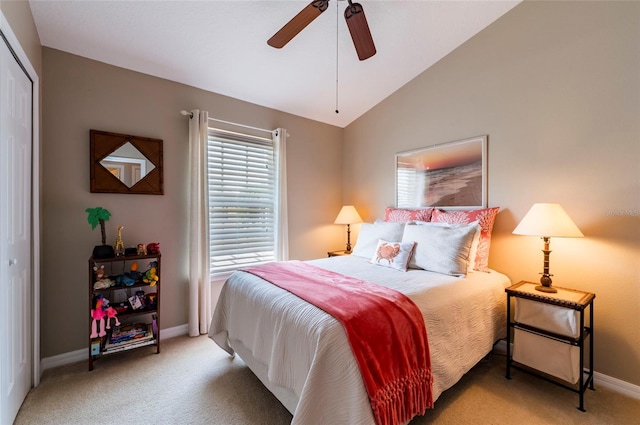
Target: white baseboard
x=613 y=384
x=81 y=355
x=173 y=332
x=599 y=379
x=617 y=385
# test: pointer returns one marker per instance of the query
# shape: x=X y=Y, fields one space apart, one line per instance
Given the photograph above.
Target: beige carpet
x=192 y=381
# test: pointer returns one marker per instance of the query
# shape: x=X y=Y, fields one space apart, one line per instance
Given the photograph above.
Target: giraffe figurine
x=119 y=247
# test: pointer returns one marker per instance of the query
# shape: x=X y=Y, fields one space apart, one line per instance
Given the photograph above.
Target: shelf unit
x=538 y=325
x=148 y=315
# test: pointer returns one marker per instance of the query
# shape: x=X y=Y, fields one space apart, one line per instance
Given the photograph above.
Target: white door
x=16 y=327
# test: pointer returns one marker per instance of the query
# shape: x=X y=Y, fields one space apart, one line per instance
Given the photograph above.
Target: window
x=406 y=187
x=242 y=198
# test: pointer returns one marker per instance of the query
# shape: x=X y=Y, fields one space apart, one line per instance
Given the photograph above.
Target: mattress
x=302 y=355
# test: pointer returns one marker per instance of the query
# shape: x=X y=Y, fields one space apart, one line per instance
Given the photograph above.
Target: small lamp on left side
x=348 y=215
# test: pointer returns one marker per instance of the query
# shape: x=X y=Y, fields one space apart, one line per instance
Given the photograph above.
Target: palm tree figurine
x=97 y=216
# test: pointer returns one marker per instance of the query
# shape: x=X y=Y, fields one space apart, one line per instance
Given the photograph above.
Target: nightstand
x=338 y=253
x=549 y=335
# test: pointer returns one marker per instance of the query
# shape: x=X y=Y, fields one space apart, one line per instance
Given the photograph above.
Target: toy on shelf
x=112 y=314
x=150 y=276
x=102 y=281
x=99 y=215
x=130 y=251
x=142 y=250
x=134 y=273
x=153 y=248
x=102 y=313
x=119 y=246
x=124 y=280
x=151 y=299
x=98 y=314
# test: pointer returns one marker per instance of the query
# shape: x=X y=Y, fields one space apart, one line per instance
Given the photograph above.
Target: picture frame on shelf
x=136 y=302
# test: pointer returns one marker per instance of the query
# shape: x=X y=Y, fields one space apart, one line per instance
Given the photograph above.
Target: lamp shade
x=547 y=220
x=348 y=215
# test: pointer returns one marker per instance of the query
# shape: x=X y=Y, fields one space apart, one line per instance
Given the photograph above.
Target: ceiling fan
x=354 y=16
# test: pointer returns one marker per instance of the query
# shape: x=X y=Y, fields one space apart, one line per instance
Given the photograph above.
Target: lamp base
x=545 y=280
x=548 y=289
x=348 y=238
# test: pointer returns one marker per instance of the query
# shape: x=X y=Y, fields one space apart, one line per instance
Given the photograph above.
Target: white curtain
x=282 y=222
x=199 y=274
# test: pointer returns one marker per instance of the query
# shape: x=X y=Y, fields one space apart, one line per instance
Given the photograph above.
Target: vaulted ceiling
x=221 y=46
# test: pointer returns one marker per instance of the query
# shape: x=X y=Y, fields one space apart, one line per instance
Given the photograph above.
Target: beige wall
x=18 y=14
x=81 y=94
x=556 y=86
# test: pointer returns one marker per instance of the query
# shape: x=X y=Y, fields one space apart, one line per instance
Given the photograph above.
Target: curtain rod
x=190 y=115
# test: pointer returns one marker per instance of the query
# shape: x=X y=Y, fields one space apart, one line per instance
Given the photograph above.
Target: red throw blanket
x=384 y=327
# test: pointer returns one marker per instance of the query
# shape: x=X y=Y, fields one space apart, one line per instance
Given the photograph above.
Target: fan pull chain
x=337 y=22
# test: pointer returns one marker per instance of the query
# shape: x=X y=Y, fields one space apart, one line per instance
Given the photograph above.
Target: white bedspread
x=302 y=354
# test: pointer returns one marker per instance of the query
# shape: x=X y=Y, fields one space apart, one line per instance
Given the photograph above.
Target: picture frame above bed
x=451 y=175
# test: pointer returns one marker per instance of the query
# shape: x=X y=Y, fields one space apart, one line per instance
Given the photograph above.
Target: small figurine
x=153 y=248
x=142 y=250
x=119 y=246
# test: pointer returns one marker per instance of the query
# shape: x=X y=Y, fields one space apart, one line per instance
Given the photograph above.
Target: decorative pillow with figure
x=393 y=254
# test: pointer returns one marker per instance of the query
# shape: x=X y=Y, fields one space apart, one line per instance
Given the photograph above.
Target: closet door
x=16 y=314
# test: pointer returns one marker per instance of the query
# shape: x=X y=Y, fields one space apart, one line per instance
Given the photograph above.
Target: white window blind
x=242 y=191
x=406 y=195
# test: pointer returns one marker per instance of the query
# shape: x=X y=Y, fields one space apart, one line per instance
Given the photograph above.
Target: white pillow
x=441 y=249
x=474 y=244
x=370 y=233
x=393 y=254
x=473 y=252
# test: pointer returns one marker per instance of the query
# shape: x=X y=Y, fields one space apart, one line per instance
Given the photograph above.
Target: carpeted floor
x=192 y=381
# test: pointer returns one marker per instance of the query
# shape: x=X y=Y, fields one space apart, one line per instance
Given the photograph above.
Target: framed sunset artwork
x=450 y=175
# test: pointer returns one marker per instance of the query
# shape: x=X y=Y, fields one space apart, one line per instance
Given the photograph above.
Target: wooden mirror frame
x=102 y=181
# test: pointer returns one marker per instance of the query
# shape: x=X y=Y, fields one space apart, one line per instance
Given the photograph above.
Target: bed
x=301 y=354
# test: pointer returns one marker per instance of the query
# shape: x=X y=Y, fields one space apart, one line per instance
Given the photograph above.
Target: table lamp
x=348 y=215
x=546 y=221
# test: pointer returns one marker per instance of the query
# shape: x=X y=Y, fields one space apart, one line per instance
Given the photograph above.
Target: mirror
x=128 y=164
x=122 y=163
